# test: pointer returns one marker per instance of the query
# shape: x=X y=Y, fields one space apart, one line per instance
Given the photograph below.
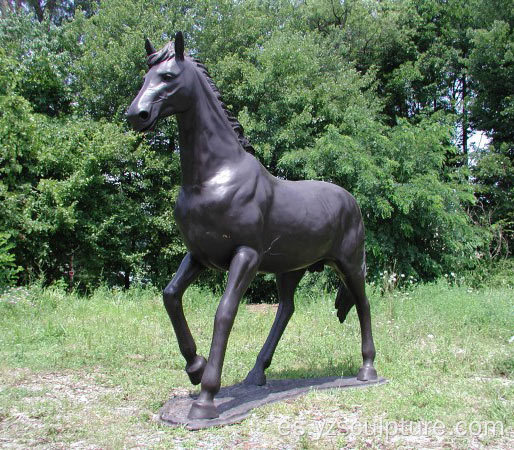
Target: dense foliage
x=380 y=97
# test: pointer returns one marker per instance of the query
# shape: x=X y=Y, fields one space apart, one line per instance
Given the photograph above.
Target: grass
x=94 y=371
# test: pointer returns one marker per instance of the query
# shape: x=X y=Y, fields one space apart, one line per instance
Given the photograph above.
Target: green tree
x=369 y=95
x=39 y=63
x=8 y=268
x=491 y=65
x=72 y=185
x=52 y=10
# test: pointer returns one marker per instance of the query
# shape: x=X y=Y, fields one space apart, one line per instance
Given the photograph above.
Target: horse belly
x=212 y=248
x=304 y=226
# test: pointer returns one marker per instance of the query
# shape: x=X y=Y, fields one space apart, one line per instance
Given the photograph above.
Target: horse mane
x=168 y=52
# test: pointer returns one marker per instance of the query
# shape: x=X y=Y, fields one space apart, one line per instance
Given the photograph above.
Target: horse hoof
x=195 y=369
x=203 y=411
x=255 y=378
x=367 y=373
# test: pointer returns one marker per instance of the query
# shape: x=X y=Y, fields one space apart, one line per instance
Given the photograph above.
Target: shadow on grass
x=346 y=368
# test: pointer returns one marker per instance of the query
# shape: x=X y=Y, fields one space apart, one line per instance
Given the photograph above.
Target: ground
x=93 y=372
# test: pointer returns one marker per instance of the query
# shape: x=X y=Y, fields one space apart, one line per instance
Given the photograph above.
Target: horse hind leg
x=353 y=292
x=286 y=285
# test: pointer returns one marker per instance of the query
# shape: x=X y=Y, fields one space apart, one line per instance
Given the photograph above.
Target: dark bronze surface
x=235 y=403
x=234 y=215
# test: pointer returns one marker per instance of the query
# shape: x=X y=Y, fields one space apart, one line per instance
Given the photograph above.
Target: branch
x=36 y=4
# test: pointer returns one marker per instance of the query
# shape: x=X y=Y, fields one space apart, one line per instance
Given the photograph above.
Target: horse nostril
x=144 y=115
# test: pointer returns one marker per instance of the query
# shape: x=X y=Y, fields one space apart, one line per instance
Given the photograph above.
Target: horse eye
x=168 y=77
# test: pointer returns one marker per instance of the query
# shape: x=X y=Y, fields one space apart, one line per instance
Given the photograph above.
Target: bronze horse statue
x=234 y=215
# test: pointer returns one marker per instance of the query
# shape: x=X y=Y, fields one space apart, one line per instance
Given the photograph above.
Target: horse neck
x=207 y=140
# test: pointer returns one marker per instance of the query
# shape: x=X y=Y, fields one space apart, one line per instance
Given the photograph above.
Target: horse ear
x=149 y=47
x=179 y=45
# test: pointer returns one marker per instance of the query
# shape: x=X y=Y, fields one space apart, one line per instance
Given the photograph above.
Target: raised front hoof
x=203 y=411
x=195 y=369
x=367 y=373
x=255 y=378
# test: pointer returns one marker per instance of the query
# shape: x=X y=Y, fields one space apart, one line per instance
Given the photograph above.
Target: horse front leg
x=243 y=268
x=187 y=272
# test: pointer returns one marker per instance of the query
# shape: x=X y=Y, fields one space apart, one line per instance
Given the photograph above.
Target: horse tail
x=344 y=302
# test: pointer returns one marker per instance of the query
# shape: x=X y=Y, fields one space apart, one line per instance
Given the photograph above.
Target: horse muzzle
x=141 y=118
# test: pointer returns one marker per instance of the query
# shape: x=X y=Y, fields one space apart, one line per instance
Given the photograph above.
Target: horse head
x=167 y=85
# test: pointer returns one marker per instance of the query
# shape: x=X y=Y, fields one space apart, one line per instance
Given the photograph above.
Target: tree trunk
x=464 y=82
x=38 y=9
x=4 y=7
x=127 y=279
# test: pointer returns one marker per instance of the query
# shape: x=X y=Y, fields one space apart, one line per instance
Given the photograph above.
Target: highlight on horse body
x=234 y=215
